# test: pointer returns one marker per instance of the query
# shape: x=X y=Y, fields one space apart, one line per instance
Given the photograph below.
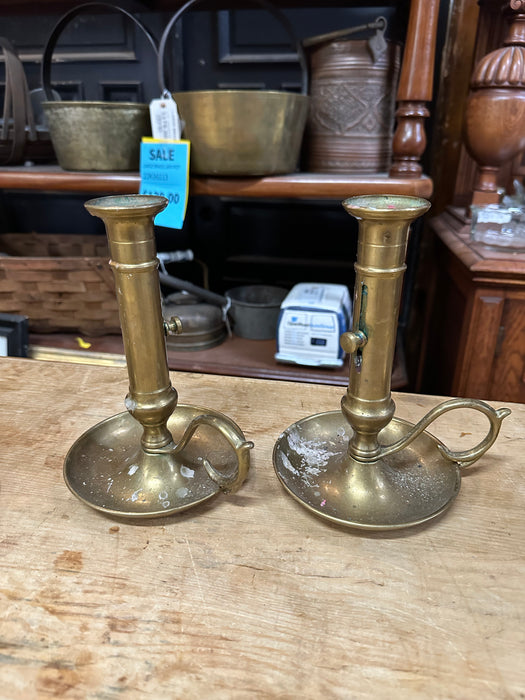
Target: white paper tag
x=165 y=120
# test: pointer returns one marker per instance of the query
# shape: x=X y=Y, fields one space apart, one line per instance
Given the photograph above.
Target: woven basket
x=61 y=282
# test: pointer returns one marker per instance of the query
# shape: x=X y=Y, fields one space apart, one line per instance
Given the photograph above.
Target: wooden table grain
x=250 y=595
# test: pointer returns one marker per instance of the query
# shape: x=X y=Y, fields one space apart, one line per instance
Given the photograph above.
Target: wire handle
x=61 y=25
x=264 y=4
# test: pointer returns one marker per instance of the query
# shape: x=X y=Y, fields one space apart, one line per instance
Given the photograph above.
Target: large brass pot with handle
x=242 y=132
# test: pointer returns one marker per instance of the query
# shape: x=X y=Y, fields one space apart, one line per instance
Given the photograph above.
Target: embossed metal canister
x=352 y=101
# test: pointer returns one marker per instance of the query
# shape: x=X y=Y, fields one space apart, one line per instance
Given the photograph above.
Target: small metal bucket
x=102 y=136
x=352 y=101
x=242 y=132
x=255 y=310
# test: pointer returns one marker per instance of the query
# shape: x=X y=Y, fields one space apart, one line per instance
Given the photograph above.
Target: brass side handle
x=228 y=483
x=466 y=457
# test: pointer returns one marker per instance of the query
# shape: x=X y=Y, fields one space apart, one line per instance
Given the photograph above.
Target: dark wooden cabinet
x=476 y=343
x=471 y=320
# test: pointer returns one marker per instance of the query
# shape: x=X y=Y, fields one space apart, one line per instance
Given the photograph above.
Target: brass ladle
x=361 y=466
x=159 y=457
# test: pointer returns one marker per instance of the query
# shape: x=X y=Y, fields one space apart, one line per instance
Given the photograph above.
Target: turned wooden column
x=495 y=113
x=415 y=89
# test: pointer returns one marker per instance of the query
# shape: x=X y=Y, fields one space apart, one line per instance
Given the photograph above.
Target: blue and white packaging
x=312 y=318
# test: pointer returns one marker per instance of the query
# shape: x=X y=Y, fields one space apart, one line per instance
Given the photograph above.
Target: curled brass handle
x=227 y=483
x=467 y=457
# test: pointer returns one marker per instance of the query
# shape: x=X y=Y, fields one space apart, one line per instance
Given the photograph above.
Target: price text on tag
x=164 y=171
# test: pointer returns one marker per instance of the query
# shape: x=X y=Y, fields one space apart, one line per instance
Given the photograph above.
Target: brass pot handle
x=227 y=483
x=467 y=457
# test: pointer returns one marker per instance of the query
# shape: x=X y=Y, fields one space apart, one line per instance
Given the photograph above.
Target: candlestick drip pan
x=108 y=469
x=406 y=488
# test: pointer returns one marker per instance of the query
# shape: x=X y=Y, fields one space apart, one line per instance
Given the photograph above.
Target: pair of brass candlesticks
x=360 y=466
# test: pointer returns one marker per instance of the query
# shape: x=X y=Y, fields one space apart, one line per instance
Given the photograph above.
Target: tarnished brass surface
x=383 y=235
x=361 y=466
x=243 y=132
x=203 y=324
x=108 y=470
x=313 y=463
x=100 y=136
x=152 y=449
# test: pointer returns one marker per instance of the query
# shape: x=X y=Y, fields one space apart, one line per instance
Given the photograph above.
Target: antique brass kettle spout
x=160 y=457
x=362 y=466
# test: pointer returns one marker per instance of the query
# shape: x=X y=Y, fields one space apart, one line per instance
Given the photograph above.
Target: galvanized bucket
x=352 y=101
x=255 y=310
x=102 y=136
x=242 y=132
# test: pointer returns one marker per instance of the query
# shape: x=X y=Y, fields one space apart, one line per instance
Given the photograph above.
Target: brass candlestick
x=158 y=457
x=361 y=466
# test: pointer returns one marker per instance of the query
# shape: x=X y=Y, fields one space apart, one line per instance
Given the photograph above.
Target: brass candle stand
x=361 y=466
x=159 y=457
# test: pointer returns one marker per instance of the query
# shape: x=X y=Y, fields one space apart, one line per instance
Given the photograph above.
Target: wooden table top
x=250 y=595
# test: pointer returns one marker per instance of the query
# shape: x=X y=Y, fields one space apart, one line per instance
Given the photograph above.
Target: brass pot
x=103 y=136
x=242 y=132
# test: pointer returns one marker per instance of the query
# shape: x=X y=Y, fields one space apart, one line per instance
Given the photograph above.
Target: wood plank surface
x=250 y=595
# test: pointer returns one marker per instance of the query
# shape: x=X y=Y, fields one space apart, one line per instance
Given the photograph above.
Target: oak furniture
x=494 y=130
x=249 y=595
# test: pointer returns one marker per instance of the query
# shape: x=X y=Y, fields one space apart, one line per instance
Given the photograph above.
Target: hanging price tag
x=165 y=120
x=164 y=171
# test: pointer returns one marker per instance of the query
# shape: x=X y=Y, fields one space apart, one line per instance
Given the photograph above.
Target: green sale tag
x=164 y=171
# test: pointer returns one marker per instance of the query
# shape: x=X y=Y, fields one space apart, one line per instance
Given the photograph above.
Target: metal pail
x=97 y=135
x=259 y=132
x=255 y=310
x=352 y=102
x=102 y=136
x=242 y=132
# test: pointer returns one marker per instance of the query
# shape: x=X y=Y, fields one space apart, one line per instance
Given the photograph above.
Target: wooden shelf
x=236 y=357
x=52 y=178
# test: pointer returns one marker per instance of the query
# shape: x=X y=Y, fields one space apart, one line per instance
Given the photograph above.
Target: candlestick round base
x=108 y=470
x=400 y=490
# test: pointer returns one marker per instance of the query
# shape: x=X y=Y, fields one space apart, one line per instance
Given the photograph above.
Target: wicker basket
x=61 y=282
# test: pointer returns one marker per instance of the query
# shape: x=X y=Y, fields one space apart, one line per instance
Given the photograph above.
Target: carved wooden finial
x=495 y=114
